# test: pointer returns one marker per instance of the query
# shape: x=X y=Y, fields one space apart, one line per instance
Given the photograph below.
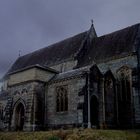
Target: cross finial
x=91 y=21
x=19 y=53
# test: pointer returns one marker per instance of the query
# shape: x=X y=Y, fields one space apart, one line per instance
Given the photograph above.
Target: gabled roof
x=88 y=48
x=52 y=54
x=35 y=66
x=110 y=46
x=70 y=74
x=109 y=73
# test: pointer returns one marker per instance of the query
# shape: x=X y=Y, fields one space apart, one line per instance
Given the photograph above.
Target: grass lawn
x=73 y=134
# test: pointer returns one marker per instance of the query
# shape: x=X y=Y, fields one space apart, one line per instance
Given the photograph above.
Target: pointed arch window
x=61 y=99
x=1 y=112
x=109 y=99
x=124 y=86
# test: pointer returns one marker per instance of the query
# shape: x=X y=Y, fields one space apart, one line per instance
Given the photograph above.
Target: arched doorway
x=94 y=111
x=19 y=116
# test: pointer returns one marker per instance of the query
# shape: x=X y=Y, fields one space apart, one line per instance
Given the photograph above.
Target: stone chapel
x=83 y=81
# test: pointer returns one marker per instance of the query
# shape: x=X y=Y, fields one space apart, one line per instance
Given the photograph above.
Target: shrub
x=54 y=138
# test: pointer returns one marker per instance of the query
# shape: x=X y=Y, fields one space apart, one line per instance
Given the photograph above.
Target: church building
x=83 y=81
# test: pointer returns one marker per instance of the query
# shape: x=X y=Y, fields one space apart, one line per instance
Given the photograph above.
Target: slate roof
x=35 y=66
x=70 y=74
x=116 y=44
x=111 y=46
x=52 y=54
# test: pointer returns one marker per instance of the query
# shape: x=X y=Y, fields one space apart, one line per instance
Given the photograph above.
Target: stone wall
x=72 y=116
x=31 y=95
x=31 y=88
x=132 y=63
x=3 y=103
x=27 y=99
x=22 y=76
x=114 y=65
x=65 y=66
x=136 y=89
x=30 y=75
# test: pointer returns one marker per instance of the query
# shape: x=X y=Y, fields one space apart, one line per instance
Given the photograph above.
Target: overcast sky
x=28 y=25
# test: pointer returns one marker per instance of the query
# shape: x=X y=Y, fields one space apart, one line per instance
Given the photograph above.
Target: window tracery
x=124 y=77
x=109 y=99
x=61 y=99
x=24 y=90
x=16 y=92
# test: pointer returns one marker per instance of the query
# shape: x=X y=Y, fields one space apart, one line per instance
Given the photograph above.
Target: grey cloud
x=28 y=25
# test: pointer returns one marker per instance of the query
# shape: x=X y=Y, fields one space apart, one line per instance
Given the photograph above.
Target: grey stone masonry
x=72 y=116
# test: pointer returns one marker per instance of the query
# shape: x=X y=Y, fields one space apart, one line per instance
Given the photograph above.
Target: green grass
x=73 y=134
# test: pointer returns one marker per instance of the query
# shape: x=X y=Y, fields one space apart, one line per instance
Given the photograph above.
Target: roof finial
x=19 y=53
x=92 y=31
x=91 y=22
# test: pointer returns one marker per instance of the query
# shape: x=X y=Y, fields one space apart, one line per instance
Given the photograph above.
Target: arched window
x=125 y=111
x=124 y=90
x=1 y=112
x=61 y=99
x=109 y=99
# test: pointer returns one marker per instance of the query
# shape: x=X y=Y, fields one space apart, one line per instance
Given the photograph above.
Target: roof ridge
x=122 y=29
x=51 y=54
x=52 y=45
